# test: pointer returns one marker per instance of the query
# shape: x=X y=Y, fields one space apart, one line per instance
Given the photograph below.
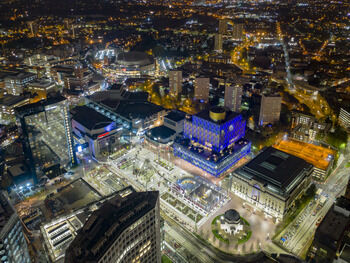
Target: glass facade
x=211 y=146
x=47 y=138
x=213 y=135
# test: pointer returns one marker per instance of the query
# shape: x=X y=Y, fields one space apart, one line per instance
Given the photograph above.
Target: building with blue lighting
x=213 y=140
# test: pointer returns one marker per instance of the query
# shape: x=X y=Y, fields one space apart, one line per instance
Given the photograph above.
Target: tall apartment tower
x=218 y=43
x=201 y=89
x=124 y=229
x=270 y=109
x=13 y=245
x=223 y=26
x=233 y=97
x=175 y=82
x=237 y=31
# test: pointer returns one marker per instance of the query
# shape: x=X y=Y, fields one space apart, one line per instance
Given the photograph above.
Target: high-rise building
x=175 y=82
x=13 y=246
x=270 y=109
x=218 y=42
x=201 y=89
x=233 y=97
x=237 y=31
x=46 y=136
x=344 y=118
x=222 y=26
x=124 y=229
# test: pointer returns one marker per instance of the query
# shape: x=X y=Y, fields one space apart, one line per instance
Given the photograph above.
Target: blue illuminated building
x=213 y=140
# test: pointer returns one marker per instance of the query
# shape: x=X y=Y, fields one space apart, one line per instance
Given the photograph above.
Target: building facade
x=213 y=140
x=218 y=42
x=270 y=109
x=222 y=26
x=237 y=31
x=99 y=132
x=46 y=136
x=272 y=181
x=175 y=82
x=201 y=89
x=124 y=229
x=233 y=97
x=15 y=84
x=8 y=103
x=12 y=242
x=344 y=118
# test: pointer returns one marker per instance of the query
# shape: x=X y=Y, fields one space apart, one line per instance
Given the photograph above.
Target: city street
x=299 y=233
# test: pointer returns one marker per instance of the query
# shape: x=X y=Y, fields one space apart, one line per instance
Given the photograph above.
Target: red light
x=103 y=135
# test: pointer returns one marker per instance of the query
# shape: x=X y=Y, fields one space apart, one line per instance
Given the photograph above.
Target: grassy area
x=165 y=259
x=245 y=238
x=245 y=221
x=218 y=236
x=214 y=220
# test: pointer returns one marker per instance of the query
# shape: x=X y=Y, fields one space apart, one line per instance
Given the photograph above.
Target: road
x=332 y=188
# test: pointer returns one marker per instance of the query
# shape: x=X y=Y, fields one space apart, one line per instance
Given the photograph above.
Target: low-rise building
x=98 y=131
x=272 y=181
x=15 y=83
x=7 y=105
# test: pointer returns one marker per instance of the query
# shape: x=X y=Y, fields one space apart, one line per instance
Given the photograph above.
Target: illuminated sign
x=103 y=135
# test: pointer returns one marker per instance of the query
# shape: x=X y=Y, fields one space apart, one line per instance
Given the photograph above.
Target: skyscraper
x=175 y=82
x=201 y=89
x=237 y=31
x=218 y=42
x=222 y=26
x=124 y=229
x=13 y=246
x=233 y=97
x=270 y=109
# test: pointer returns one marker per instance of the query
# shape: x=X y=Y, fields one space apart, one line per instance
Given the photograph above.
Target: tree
x=311 y=191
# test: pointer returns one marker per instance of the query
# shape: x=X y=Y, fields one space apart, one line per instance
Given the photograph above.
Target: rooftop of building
x=21 y=75
x=112 y=98
x=232 y=215
x=108 y=222
x=39 y=106
x=134 y=58
x=137 y=109
x=42 y=83
x=332 y=228
x=90 y=118
x=176 y=115
x=11 y=100
x=275 y=167
x=229 y=115
x=160 y=132
x=318 y=156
